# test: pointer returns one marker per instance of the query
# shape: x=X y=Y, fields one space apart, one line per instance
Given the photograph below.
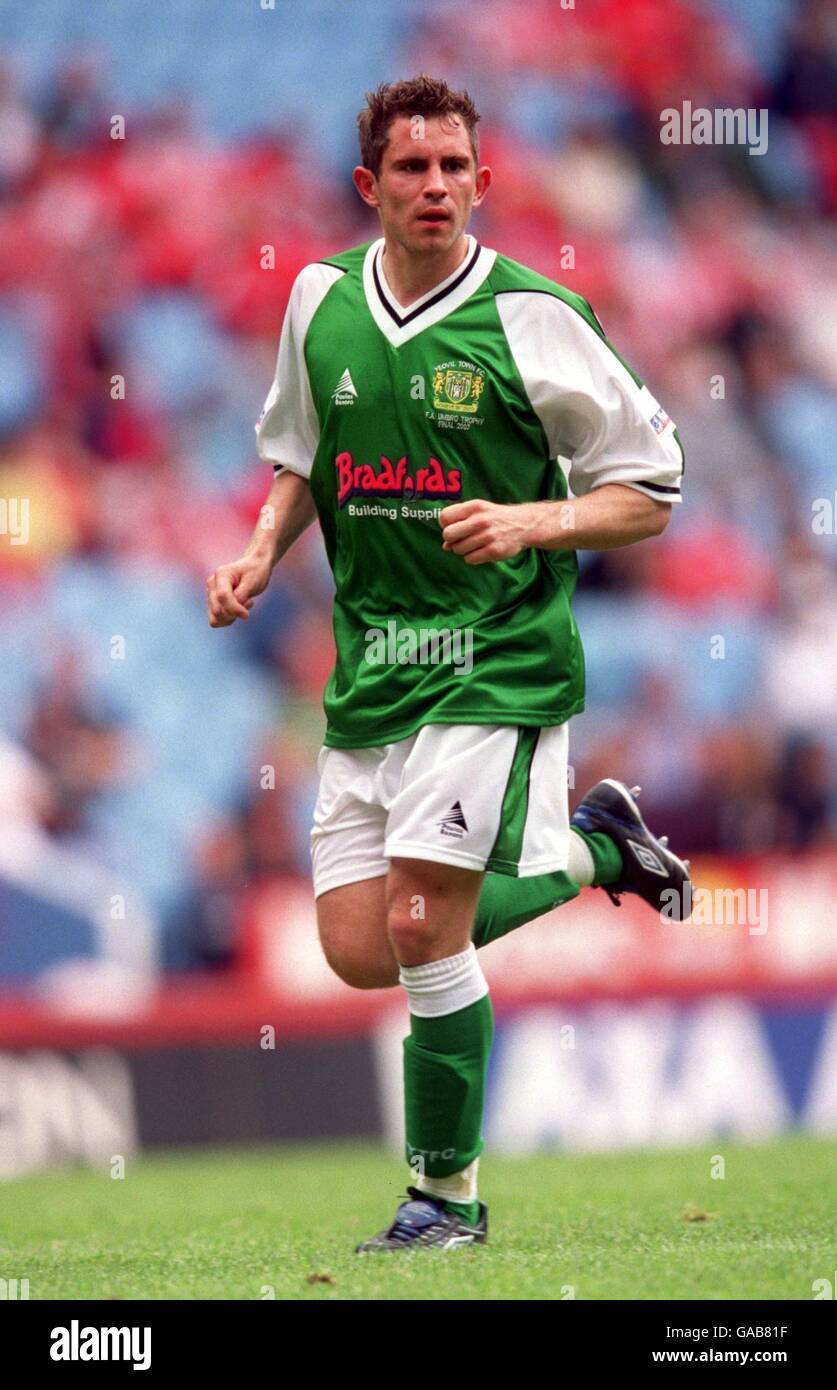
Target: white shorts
x=480 y=796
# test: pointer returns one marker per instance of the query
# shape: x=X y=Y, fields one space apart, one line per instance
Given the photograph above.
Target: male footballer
x=460 y=426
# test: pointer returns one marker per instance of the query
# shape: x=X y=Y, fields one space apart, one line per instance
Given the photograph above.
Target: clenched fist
x=232 y=589
x=481 y=531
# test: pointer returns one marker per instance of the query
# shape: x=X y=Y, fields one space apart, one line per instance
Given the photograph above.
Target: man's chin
x=434 y=236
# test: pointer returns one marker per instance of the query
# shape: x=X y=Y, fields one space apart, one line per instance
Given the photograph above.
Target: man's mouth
x=434 y=215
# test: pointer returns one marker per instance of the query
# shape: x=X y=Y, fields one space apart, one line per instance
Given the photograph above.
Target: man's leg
x=352 y=919
x=610 y=847
x=507 y=903
x=350 y=868
x=422 y=913
x=430 y=909
x=352 y=922
x=535 y=836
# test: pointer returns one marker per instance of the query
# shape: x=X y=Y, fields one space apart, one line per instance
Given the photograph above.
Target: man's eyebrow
x=423 y=159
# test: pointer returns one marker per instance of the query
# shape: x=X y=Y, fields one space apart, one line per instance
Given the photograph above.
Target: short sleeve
x=593 y=411
x=288 y=430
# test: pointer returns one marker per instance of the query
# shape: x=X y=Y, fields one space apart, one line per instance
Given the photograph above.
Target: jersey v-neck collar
x=399 y=324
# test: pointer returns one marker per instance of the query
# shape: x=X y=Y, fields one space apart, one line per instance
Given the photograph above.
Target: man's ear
x=366 y=184
x=483 y=182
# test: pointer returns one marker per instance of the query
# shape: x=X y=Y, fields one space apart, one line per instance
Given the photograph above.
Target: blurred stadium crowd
x=136 y=740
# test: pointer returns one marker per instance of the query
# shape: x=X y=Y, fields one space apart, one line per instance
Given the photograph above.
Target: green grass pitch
x=251 y=1223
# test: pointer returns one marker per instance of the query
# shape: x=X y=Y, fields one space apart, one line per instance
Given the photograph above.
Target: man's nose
x=435 y=185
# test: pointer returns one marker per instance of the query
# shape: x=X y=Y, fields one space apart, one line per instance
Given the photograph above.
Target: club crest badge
x=457 y=387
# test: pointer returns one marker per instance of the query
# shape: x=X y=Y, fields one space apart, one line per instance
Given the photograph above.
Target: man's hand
x=607 y=518
x=482 y=531
x=288 y=511
x=232 y=589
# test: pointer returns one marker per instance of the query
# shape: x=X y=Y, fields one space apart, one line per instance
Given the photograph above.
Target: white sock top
x=444 y=986
x=580 y=866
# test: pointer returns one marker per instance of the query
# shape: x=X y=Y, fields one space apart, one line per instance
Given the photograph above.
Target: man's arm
x=287 y=512
x=287 y=435
x=610 y=516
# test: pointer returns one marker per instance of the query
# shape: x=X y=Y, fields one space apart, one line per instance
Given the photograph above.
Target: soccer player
x=426 y=390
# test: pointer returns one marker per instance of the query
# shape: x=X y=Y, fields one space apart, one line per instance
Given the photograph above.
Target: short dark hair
x=415 y=96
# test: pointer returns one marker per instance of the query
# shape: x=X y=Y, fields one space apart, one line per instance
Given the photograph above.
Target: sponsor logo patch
x=660 y=421
x=395 y=480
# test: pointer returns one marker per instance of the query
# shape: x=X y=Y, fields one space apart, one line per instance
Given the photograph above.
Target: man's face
x=427 y=184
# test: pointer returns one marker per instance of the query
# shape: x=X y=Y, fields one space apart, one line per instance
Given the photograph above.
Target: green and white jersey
x=497 y=384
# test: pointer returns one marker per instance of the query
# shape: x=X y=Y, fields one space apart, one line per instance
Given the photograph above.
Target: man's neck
x=409 y=277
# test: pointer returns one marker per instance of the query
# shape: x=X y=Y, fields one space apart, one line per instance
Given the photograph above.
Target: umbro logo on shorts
x=454 y=823
x=648 y=859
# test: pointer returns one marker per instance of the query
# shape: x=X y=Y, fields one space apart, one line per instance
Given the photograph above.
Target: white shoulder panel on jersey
x=288 y=430
x=591 y=409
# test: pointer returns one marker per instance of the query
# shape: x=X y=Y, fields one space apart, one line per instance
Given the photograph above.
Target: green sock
x=469 y=1211
x=445 y=1063
x=506 y=903
x=607 y=861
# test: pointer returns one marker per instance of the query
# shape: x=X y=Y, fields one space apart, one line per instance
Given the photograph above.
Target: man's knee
x=412 y=937
x=430 y=909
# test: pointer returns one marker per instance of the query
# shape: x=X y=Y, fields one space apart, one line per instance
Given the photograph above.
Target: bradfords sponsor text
x=395 y=480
